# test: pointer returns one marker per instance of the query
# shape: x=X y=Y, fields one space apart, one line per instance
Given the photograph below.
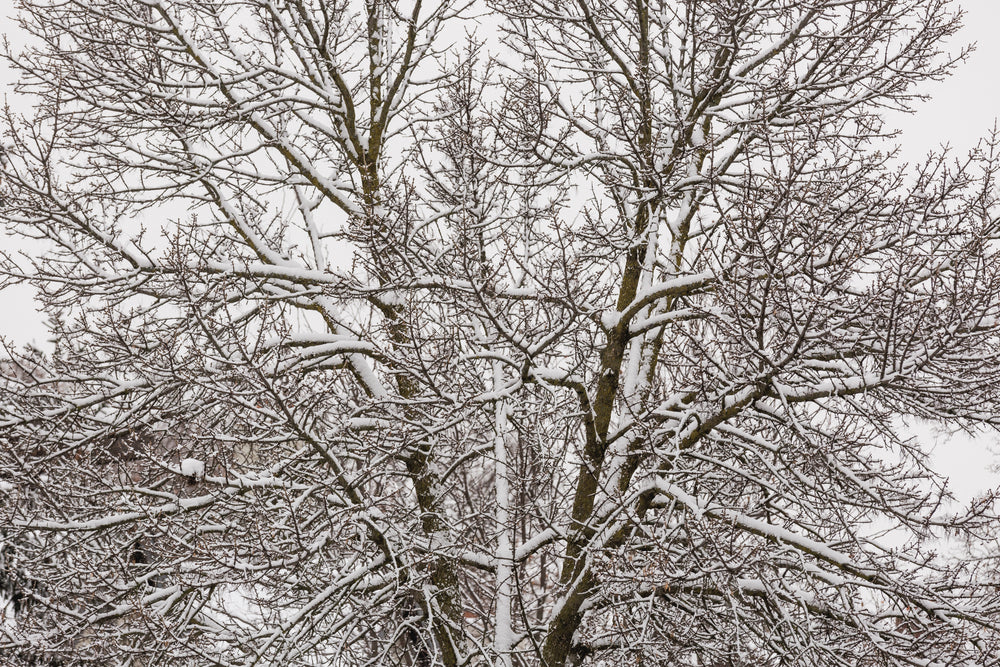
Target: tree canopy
x=509 y=333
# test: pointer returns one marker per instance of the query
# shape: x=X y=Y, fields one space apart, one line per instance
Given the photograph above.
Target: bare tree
x=580 y=339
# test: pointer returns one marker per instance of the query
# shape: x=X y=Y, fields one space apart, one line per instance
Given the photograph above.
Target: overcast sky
x=962 y=109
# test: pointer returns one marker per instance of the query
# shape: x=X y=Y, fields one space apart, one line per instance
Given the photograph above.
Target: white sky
x=962 y=109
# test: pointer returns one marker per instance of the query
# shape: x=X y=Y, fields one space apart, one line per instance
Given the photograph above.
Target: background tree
x=585 y=342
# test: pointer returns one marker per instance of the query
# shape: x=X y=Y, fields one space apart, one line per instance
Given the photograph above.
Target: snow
x=554 y=375
x=697 y=136
x=193 y=468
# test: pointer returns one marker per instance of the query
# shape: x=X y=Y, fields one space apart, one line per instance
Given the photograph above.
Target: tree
x=581 y=340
